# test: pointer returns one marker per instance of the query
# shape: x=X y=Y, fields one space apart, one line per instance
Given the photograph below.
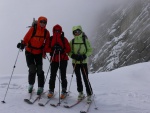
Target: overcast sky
x=16 y=15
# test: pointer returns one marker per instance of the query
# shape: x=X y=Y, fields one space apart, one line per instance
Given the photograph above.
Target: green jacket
x=75 y=47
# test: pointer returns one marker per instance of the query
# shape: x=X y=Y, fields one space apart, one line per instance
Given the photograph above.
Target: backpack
x=84 y=37
x=62 y=39
x=34 y=25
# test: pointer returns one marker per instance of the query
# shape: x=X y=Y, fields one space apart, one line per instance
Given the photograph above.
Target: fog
x=16 y=15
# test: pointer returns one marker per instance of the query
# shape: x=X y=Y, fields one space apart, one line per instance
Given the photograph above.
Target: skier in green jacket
x=80 y=50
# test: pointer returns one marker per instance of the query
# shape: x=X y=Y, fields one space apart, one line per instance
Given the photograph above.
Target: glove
x=57 y=48
x=73 y=56
x=20 y=45
x=83 y=57
x=76 y=57
x=51 y=54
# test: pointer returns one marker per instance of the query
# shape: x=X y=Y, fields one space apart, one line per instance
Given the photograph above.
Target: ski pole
x=71 y=80
x=59 y=77
x=51 y=62
x=11 y=77
x=72 y=75
x=47 y=71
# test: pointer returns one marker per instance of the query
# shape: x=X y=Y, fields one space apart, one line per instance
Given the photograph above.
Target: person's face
x=43 y=23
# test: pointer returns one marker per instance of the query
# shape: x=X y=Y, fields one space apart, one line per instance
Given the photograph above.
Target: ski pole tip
x=3 y=101
x=96 y=108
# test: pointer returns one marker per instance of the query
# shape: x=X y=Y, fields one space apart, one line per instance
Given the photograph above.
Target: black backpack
x=84 y=37
x=34 y=25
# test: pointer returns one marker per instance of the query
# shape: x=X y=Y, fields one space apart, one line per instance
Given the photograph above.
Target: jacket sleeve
x=67 y=46
x=89 y=48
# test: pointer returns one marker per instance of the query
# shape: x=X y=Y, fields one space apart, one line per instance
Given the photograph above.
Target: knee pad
x=32 y=68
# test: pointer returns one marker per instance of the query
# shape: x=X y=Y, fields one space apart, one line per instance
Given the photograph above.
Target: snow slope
x=125 y=90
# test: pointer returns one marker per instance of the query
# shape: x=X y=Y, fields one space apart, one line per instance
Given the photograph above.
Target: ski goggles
x=77 y=32
x=43 y=21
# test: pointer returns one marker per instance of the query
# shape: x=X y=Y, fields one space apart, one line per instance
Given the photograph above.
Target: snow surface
x=124 y=90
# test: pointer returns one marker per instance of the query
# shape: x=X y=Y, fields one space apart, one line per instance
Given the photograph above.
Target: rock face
x=123 y=37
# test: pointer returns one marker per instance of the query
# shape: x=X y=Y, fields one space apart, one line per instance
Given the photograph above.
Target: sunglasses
x=78 y=31
x=43 y=21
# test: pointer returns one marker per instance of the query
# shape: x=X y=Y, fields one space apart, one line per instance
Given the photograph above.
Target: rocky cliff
x=122 y=37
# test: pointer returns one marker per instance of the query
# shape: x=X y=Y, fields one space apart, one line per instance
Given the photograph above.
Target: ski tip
x=3 y=101
x=66 y=106
x=40 y=104
x=96 y=108
x=28 y=101
x=53 y=105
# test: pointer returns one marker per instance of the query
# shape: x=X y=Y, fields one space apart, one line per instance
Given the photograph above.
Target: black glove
x=73 y=56
x=83 y=57
x=51 y=54
x=76 y=57
x=20 y=45
x=57 y=48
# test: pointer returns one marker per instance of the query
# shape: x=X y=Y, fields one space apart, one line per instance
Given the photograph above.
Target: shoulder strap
x=33 y=34
x=84 y=42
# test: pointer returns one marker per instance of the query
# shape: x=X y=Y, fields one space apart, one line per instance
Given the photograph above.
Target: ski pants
x=35 y=65
x=62 y=74
x=84 y=69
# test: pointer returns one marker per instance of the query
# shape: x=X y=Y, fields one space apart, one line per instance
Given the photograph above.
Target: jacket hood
x=57 y=27
x=76 y=27
x=41 y=18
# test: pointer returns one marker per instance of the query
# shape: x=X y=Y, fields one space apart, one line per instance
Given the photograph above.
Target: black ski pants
x=84 y=69
x=35 y=65
x=54 y=69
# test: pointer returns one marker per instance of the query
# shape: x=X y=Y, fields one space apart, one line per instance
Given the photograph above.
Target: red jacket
x=56 y=39
x=38 y=39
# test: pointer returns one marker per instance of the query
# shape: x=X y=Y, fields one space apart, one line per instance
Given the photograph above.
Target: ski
x=46 y=101
x=33 y=100
x=58 y=104
x=29 y=96
x=74 y=104
x=86 y=108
